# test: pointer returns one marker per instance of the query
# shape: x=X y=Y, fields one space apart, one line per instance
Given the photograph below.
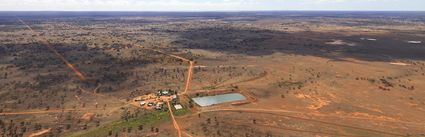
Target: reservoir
x=217 y=99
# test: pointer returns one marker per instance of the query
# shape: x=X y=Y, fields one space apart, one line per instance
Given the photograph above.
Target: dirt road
x=176 y=125
x=223 y=84
x=189 y=77
x=40 y=133
x=39 y=112
x=50 y=47
x=279 y=113
x=190 y=67
x=187 y=134
x=82 y=77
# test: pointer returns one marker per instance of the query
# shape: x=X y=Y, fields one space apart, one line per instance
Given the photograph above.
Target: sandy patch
x=399 y=64
x=88 y=116
x=317 y=103
x=365 y=115
x=340 y=42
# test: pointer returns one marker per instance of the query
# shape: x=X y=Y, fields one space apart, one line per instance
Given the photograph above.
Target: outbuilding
x=178 y=106
x=142 y=103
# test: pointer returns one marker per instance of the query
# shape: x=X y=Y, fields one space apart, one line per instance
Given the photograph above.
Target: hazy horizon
x=213 y=11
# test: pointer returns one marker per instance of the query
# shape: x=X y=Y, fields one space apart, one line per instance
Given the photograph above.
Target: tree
x=209 y=121
x=67 y=126
x=84 y=127
x=125 y=115
x=97 y=123
x=1 y=123
x=129 y=129
x=140 y=127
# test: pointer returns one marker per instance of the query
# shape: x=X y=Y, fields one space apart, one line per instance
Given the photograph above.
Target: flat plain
x=303 y=73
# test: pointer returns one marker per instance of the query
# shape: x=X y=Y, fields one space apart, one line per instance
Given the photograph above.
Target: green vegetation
x=116 y=126
x=181 y=112
x=209 y=88
x=288 y=84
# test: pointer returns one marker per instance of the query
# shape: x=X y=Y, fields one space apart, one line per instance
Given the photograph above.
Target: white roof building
x=164 y=92
x=178 y=106
x=142 y=103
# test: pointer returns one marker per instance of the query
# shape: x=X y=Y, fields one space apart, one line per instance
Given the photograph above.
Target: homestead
x=156 y=101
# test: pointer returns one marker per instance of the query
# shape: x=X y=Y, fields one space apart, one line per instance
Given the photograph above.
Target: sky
x=210 y=5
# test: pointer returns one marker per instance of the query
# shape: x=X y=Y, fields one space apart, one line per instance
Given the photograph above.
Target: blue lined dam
x=217 y=99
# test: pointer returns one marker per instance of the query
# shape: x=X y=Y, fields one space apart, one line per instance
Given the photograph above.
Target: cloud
x=128 y=4
x=208 y=5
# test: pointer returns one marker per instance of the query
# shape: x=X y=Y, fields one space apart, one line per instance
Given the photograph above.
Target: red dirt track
x=50 y=47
